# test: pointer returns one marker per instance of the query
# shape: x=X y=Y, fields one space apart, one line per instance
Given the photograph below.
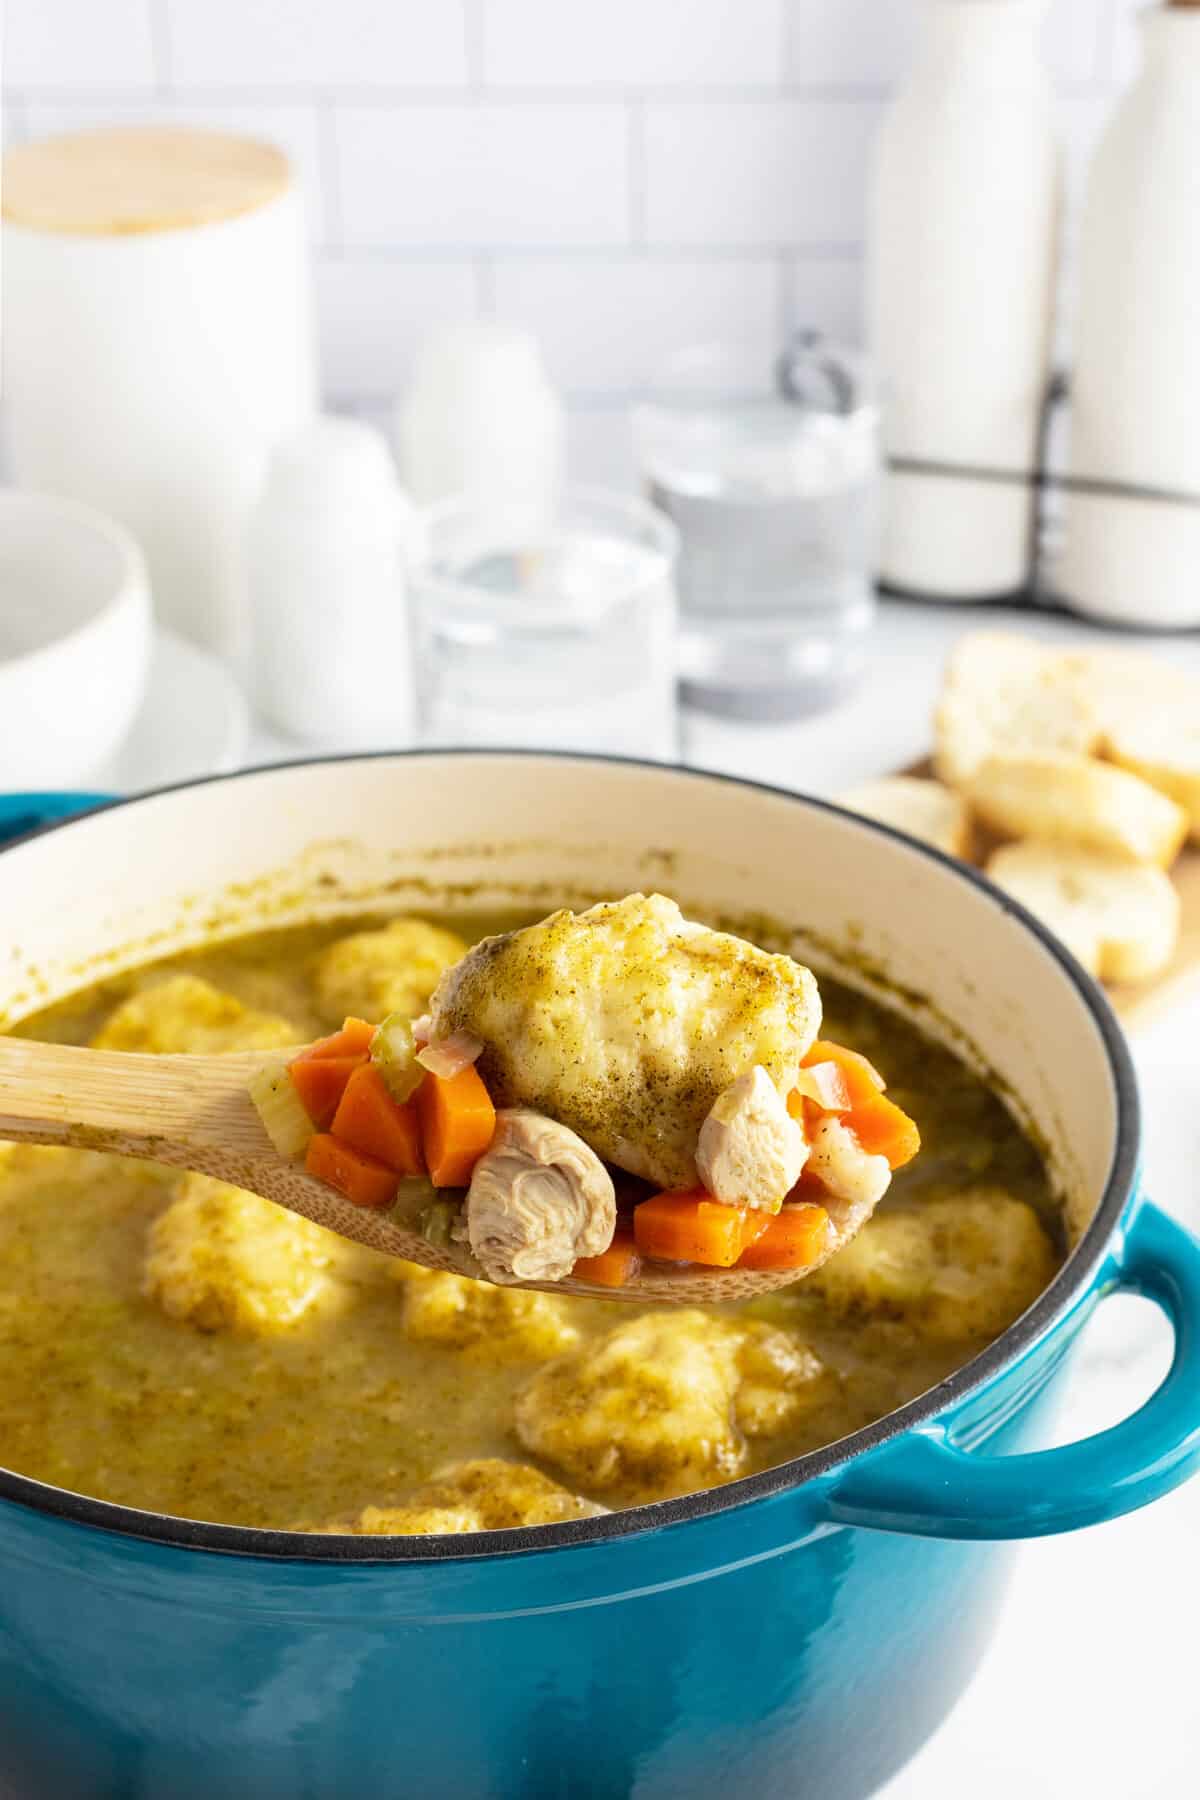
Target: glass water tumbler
x=770 y=468
x=551 y=631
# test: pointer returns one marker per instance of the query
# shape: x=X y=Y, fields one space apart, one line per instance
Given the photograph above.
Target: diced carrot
x=693 y=1227
x=794 y=1239
x=363 y=1179
x=884 y=1130
x=369 y=1119
x=458 y=1121
x=862 y=1078
x=613 y=1267
x=354 y=1039
x=320 y=1082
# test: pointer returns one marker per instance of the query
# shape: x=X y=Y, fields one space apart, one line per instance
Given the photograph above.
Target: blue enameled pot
x=794 y=1634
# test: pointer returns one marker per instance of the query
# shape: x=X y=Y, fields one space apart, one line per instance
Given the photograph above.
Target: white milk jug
x=962 y=239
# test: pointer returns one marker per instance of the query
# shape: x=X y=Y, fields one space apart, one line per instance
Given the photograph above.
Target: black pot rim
x=1070 y=1282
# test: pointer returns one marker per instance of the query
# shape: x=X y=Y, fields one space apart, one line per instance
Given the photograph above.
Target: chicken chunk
x=851 y=1175
x=539 y=1199
x=751 y=1150
x=665 y=1403
x=184 y=1014
x=626 y=1022
x=394 y=969
x=227 y=1261
x=961 y=1267
x=489 y=1494
x=503 y=1324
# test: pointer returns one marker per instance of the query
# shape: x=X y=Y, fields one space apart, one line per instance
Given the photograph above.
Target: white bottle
x=481 y=420
x=324 y=556
x=961 y=252
x=1135 y=386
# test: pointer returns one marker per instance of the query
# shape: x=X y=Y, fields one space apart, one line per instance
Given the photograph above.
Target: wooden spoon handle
x=136 y=1105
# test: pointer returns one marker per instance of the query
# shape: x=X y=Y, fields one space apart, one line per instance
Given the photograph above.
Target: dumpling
x=226 y=1260
x=665 y=1403
x=964 y=1266
x=394 y=969
x=488 y=1494
x=507 y=1324
x=626 y=1022
x=185 y=1014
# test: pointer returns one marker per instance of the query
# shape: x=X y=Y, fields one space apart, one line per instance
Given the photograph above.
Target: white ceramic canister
x=1131 y=548
x=158 y=341
x=324 y=555
x=481 y=421
x=961 y=254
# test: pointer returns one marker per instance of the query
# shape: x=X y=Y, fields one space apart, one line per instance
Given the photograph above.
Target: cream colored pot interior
x=475 y=830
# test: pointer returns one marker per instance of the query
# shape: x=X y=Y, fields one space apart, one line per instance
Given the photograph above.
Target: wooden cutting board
x=1137 y=1003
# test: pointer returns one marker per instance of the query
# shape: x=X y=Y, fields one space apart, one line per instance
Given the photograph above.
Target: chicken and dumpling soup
x=172 y=1343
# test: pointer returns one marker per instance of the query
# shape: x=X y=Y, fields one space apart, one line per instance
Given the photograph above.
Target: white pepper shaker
x=481 y=419
x=325 y=563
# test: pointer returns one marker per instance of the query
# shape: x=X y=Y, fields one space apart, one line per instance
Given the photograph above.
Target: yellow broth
x=103 y=1392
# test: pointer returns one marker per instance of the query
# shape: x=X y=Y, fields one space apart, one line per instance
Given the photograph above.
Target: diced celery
x=436 y=1222
x=395 y=1056
x=280 y=1108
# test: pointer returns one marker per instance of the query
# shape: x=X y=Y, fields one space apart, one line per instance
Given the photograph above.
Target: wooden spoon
x=193 y=1112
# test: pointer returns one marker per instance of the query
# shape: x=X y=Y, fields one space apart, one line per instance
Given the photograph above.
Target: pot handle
x=21 y=813
x=922 y=1484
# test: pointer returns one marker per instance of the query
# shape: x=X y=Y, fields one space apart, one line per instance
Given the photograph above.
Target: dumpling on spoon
x=630 y=1039
x=626 y=1022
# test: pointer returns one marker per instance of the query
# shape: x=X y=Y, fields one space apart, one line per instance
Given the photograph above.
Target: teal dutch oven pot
x=795 y=1634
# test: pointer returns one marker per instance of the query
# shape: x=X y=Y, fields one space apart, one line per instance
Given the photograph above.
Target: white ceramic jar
x=325 y=549
x=157 y=342
x=481 y=421
x=1132 y=524
x=962 y=236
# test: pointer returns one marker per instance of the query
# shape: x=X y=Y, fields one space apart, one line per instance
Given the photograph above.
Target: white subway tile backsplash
x=757 y=172
x=849 y=42
x=600 y=447
x=436 y=175
x=604 y=324
x=73 y=44
x=826 y=293
x=632 y=43
x=374 y=314
x=323 y=43
x=623 y=176
x=292 y=126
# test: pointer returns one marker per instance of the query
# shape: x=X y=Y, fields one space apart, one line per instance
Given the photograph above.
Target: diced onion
x=449 y=1056
x=281 y=1110
x=824 y=1084
x=394 y=1054
x=422 y=1030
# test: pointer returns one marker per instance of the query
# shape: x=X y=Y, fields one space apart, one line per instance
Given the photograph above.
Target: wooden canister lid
x=121 y=180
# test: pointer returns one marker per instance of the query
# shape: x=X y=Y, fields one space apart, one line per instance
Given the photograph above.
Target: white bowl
x=74 y=638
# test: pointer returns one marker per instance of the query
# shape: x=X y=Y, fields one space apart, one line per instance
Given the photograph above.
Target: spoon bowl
x=195 y=1112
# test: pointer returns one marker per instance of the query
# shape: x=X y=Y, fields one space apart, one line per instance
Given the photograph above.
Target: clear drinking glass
x=554 y=634
x=770 y=469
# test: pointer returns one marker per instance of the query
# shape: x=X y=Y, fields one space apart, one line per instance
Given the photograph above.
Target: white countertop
x=1090 y=1687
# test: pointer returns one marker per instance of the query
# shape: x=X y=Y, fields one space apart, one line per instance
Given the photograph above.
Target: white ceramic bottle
x=481 y=420
x=961 y=251
x=1132 y=523
x=324 y=557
